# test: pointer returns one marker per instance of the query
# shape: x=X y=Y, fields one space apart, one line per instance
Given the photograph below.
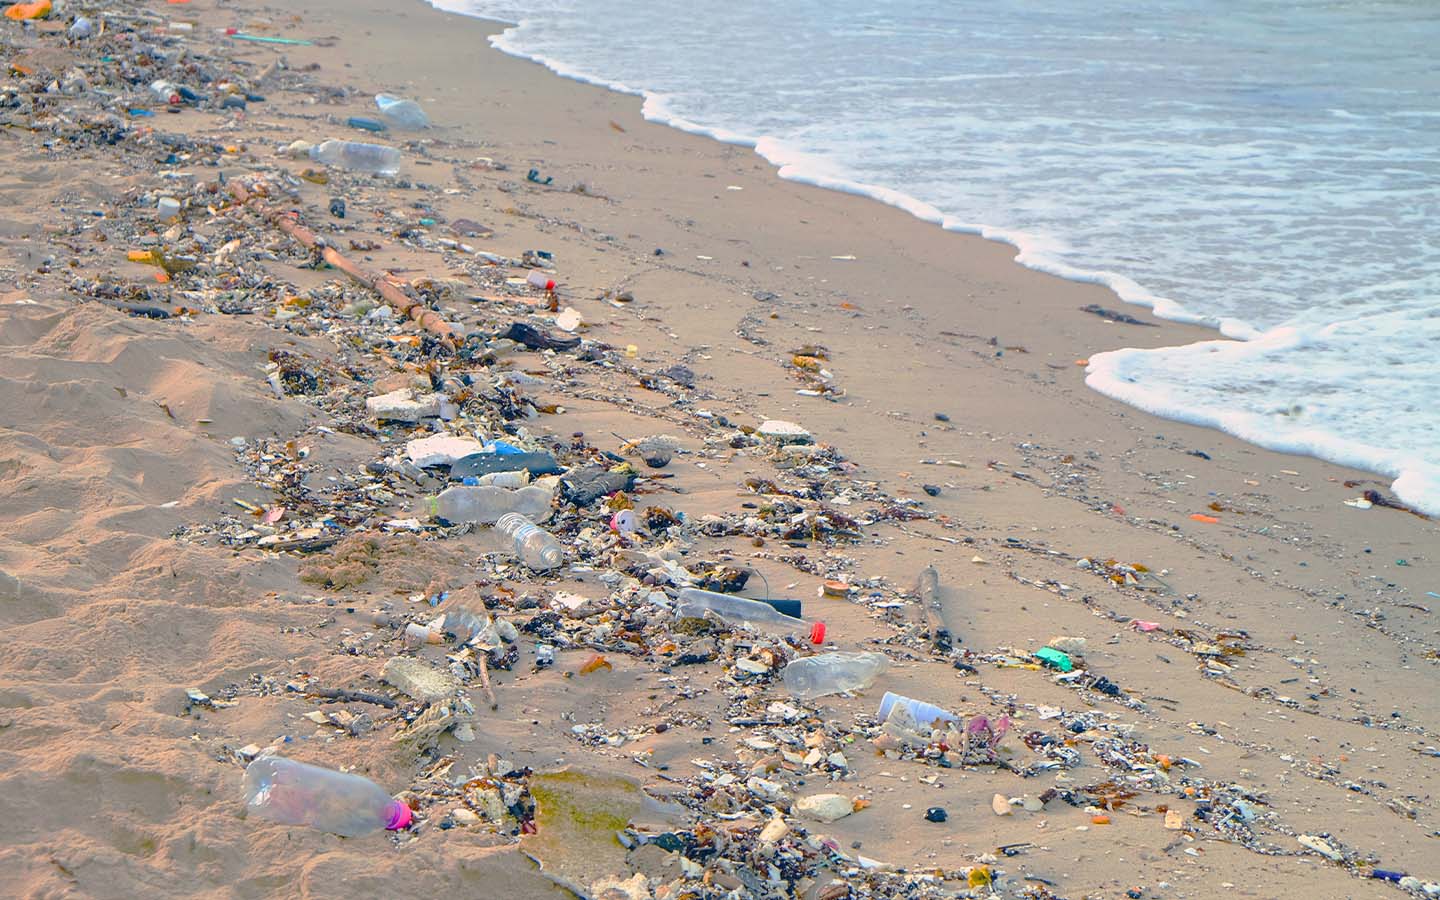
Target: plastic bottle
x=373 y=158
x=485 y=504
x=744 y=611
x=365 y=123
x=295 y=793
x=532 y=544
x=833 y=673
x=922 y=712
x=81 y=28
x=402 y=113
x=503 y=479
x=165 y=91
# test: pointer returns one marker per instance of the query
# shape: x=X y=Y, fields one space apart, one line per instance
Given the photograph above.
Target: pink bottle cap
x=400 y=816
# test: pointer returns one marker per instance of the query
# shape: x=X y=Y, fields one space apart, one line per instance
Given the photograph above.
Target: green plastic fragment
x=1054 y=658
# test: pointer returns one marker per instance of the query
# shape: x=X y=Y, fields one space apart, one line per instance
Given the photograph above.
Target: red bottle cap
x=550 y=285
x=817 y=633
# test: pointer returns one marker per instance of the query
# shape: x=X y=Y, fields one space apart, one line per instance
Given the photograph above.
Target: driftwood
x=390 y=291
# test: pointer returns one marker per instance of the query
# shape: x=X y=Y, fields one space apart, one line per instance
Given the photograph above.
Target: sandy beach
x=1255 y=712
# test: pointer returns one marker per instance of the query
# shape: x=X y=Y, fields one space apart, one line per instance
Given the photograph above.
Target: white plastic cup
x=923 y=713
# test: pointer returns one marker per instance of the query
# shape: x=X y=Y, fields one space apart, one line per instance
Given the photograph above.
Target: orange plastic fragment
x=140 y=256
x=162 y=277
x=595 y=664
x=1208 y=520
x=1100 y=820
x=36 y=10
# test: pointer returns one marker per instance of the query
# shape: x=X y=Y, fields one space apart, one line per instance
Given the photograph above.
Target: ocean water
x=1267 y=168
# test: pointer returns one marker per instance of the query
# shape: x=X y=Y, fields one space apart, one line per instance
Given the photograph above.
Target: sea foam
x=1271 y=173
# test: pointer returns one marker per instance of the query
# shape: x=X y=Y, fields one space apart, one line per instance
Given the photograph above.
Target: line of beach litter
x=546 y=560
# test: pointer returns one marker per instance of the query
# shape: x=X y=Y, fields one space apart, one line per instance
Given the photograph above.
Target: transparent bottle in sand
x=358 y=157
x=832 y=673
x=694 y=602
x=486 y=504
x=532 y=543
x=295 y=793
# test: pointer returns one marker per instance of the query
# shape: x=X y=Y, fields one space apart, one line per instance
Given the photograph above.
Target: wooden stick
x=388 y=289
x=349 y=696
x=485 y=680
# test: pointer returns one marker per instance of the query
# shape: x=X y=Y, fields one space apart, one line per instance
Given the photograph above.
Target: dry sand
x=116 y=433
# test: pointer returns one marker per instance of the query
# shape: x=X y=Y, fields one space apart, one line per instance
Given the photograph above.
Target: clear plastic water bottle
x=744 y=611
x=402 y=113
x=532 y=543
x=486 y=504
x=833 y=673
x=921 y=712
x=357 y=157
x=295 y=793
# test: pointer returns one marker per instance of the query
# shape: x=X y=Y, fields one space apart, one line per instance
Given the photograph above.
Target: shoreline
x=1287 y=664
x=1107 y=380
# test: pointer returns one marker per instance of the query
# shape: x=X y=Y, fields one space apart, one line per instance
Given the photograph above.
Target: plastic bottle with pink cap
x=295 y=793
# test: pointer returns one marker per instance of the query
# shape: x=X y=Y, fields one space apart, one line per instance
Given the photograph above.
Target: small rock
x=404 y=406
x=1001 y=804
x=1071 y=646
x=413 y=677
x=1174 y=820
x=633 y=888
x=932 y=489
x=1319 y=845
x=774 y=830
x=784 y=432
x=824 y=807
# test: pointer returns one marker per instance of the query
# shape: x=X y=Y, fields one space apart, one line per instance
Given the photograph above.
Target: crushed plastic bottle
x=486 y=504
x=81 y=28
x=532 y=543
x=295 y=793
x=402 y=113
x=832 y=673
x=918 y=711
x=357 y=157
x=693 y=602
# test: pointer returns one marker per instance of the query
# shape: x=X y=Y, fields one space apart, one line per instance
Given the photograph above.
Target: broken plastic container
x=832 y=673
x=402 y=113
x=295 y=793
x=357 y=157
x=532 y=543
x=694 y=602
x=487 y=504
